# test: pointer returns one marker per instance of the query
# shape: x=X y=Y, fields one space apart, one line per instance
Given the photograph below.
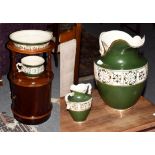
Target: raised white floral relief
x=121 y=77
x=79 y=106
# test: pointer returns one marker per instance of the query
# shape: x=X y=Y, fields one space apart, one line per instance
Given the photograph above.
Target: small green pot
x=78 y=105
x=79 y=116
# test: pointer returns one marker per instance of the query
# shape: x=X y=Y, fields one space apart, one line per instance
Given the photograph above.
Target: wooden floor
x=140 y=117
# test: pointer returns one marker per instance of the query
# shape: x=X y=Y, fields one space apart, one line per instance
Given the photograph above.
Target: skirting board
x=55 y=100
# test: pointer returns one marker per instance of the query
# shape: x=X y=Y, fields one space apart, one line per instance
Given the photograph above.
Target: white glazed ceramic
x=31 y=65
x=121 y=77
x=31 y=47
x=31 y=39
x=82 y=88
x=106 y=39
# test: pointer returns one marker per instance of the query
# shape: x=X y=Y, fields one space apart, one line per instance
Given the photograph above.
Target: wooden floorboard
x=104 y=118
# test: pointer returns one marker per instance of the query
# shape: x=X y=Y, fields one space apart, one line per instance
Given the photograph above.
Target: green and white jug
x=120 y=72
x=79 y=101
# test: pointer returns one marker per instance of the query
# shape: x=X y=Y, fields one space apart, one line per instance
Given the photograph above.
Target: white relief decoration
x=79 y=106
x=99 y=62
x=121 y=77
x=33 y=70
x=31 y=47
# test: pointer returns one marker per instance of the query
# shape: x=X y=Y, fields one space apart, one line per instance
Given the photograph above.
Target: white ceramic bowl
x=32 y=60
x=31 y=39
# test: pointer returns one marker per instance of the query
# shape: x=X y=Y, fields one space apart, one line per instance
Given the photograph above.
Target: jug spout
x=82 y=88
x=107 y=38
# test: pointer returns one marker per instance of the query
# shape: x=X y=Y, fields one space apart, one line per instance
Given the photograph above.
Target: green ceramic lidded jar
x=120 y=72
x=79 y=101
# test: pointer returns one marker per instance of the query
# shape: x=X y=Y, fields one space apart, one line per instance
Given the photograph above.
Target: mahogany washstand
x=31 y=96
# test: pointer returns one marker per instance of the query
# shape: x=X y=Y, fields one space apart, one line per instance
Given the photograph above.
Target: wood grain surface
x=104 y=118
x=31 y=96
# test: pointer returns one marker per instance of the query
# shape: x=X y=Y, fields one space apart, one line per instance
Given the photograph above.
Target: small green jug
x=79 y=102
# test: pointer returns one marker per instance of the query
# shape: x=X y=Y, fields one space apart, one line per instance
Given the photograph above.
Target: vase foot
x=119 y=112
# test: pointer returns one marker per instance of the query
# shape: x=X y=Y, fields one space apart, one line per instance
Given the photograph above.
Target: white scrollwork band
x=31 y=47
x=120 y=77
x=79 y=106
x=33 y=70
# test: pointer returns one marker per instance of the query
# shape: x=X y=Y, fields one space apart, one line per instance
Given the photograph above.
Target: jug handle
x=102 y=45
x=67 y=101
x=89 y=87
x=69 y=94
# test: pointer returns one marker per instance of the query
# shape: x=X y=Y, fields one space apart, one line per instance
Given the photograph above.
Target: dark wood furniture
x=133 y=27
x=55 y=28
x=31 y=96
x=73 y=33
x=140 y=117
x=1 y=82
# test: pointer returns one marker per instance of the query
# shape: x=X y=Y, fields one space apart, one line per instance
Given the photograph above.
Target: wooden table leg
x=55 y=28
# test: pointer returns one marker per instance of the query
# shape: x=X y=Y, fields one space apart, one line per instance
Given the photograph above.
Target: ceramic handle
x=19 y=65
x=102 y=50
x=66 y=99
x=89 y=88
x=103 y=45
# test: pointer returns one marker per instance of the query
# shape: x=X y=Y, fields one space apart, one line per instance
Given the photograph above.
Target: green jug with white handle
x=79 y=101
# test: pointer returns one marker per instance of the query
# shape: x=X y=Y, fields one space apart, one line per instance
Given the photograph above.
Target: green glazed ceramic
x=79 y=97
x=121 y=71
x=79 y=102
x=79 y=116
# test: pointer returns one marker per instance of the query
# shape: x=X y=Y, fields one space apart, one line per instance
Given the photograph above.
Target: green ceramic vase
x=120 y=72
x=78 y=105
